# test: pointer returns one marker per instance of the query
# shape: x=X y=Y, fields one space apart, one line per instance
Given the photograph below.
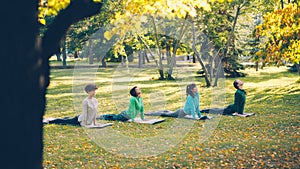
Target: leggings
x=114 y=117
x=226 y=111
x=66 y=121
x=179 y=113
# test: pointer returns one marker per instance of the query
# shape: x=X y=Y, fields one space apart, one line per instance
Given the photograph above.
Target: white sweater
x=89 y=111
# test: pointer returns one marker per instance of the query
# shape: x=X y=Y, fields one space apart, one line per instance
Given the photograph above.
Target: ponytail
x=189 y=89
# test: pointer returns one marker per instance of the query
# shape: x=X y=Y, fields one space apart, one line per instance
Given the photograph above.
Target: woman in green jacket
x=239 y=102
x=136 y=107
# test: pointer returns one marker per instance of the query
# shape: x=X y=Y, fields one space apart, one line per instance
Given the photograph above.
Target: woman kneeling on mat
x=239 y=102
x=136 y=107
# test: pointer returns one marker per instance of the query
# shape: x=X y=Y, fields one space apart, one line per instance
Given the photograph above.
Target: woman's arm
x=95 y=122
x=190 y=107
x=142 y=109
x=96 y=108
x=198 y=112
x=84 y=112
x=198 y=107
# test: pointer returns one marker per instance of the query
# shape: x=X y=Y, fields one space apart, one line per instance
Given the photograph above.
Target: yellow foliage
x=282 y=29
x=135 y=12
x=108 y=35
x=42 y=21
x=52 y=7
x=258 y=53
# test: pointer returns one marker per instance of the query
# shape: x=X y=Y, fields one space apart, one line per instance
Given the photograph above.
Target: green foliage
x=217 y=25
x=80 y=32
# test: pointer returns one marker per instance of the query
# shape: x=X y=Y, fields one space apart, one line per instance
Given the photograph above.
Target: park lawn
x=270 y=139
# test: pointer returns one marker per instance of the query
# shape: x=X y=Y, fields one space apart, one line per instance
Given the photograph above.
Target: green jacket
x=135 y=106
x=192 y=106
x=239 y=103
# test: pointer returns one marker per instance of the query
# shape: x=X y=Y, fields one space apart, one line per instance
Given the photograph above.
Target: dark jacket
x=239 y=103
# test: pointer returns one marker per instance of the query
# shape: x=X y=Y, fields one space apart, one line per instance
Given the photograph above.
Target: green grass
x=268 y=140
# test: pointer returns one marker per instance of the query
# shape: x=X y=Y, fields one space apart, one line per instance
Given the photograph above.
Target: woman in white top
x=89 y=107
x=89 y=111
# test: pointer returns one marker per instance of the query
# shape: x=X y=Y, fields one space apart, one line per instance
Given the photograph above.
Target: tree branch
x=77 y=10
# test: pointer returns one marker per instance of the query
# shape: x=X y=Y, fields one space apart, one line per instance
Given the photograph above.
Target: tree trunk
x=256 y=65
x=149 y=50
x=208 y=83
x=298 y=68
x=209 y=66
x=175 y=47
x=146 y=56
x=140 y=59
x=103 y=62
x=168 y=53
x=98 y=59
x=24 y=77
x=206 y=75
x=122 y=60
x=143 y=57
x=282 y=4
x=90 y=52
x=227 y=45
x=58 y=56
x=76 y=54
x=161 y=67
x=64 y=53
x=194 y=59
x=25 y=71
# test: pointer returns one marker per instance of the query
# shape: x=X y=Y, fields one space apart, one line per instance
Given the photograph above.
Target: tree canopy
x=281 y=28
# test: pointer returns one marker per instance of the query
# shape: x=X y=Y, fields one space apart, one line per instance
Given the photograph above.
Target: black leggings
x=66 y=121
x=226 y=111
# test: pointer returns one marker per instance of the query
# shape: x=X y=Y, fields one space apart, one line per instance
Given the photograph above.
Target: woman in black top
x=239 y=102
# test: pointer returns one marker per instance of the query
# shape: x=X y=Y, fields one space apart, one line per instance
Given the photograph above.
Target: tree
x=252 y=42
x=132 y=17
x=25 y=73
x=80 y=32
x=281 y=28
x=216 y=47
x=231 y=66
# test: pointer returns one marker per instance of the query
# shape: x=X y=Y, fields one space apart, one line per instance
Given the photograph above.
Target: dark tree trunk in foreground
x=25 y=77
x=23 y=85
x=64 y=53
x=58 y=56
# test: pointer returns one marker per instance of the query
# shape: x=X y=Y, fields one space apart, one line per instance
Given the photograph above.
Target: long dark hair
x=133 y=92
x=235 y=85
x=189 y=89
